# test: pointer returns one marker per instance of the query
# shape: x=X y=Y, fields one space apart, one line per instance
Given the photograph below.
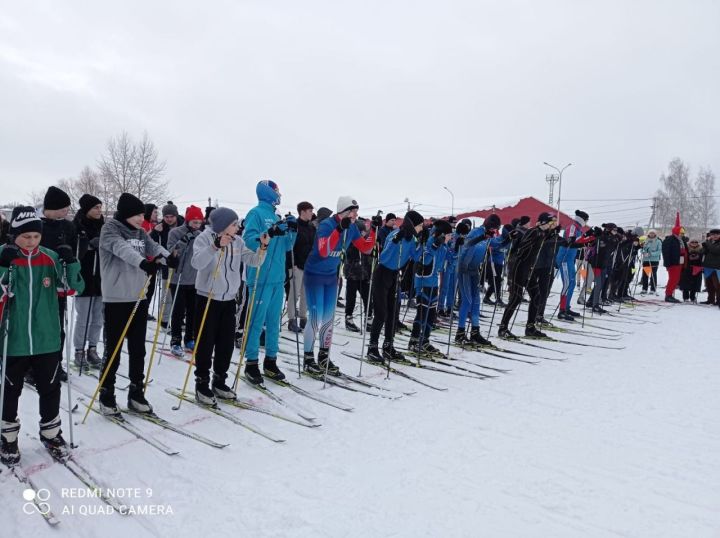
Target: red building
x=529 y=206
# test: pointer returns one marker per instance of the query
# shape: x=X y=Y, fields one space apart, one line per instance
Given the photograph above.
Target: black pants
x=425 y=314
x=385 y=303
x=45 y=370
x=218 y=338
x=538 y=289
x=652 y=280
x=545 y=278
x=116 y=316
x=494 y=280
x=517 y=279
x=184 y=311
x=352 y=288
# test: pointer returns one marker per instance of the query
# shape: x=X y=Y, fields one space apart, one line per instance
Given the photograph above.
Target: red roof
x=530 y=206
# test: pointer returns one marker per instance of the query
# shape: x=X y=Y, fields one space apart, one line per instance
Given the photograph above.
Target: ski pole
x=200 y=329
x=6 y=333
x=293 y=284
x=370 y=298
x=68 y=344
x=119 y=344
x=157 y=329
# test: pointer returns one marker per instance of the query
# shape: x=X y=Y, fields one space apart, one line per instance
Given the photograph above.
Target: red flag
x=677 y=219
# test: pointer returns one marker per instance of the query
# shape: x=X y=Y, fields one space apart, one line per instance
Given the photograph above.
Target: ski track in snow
x=607 y=444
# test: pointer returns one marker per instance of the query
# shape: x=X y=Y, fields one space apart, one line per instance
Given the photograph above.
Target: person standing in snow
x=334 y=236
x=651 y=252
x=674 y=252
x=565 y=261
x=180 y=242
x=219 y=246
x=301 y=250
x=34 y=275
x=267 y=282
x=711 y=265
x=691 y=277
x=128 y=256
x=88 y=223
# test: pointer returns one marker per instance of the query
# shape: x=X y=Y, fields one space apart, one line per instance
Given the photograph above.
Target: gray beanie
x=638 y=231
x=221 y=218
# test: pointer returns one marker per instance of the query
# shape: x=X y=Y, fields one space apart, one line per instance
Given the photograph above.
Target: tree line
x=694 y=198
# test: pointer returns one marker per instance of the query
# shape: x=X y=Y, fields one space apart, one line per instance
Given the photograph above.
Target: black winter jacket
x=86 y=230
x=672 y=249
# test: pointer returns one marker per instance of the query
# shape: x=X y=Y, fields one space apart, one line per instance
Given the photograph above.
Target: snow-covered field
x=603 y=443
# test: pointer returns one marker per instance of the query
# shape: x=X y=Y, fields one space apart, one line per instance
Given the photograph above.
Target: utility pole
x=551 y=180
x=651 y=224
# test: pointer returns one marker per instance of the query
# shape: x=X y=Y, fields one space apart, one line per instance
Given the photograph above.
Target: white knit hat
x=346 y=203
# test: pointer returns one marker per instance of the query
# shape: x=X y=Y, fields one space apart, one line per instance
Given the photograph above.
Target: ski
x=242 y=403
x=522 y=341
x=559 y=341
x=277 y=399
x=335 y=381
x=229 y=416
x=397 y=372
x=311 y=395
x=436 y=360
x=41 y=506
x=584 y=334
x=161 y=422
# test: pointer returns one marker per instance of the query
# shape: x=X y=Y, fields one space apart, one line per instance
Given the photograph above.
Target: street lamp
x=560 y=173
x=452 y=197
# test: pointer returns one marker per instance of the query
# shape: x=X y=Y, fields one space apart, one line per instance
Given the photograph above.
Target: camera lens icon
x=36 y=501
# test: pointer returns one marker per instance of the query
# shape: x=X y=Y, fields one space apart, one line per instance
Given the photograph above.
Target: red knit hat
x=193 y=212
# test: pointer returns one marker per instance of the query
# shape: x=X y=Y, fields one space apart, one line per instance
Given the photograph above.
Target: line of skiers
x=223 y=278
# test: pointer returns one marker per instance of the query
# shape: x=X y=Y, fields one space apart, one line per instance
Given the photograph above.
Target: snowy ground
x=604 y=443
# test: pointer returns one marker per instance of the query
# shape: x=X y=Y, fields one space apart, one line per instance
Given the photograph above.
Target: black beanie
x=24 y=219
x=56 y=199
x=492 y=222
x=582 y=215
x=545 y=217
x=323 y=213
x=87 y=202
x=129 y=206
x=462 y=228
x=390 y=216
x=414 y=217
x=442 y=227
x=524 y=220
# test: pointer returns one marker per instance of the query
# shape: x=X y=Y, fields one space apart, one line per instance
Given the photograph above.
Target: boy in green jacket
x=32 y=278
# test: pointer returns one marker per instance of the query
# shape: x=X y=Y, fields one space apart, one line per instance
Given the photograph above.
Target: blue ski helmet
x=268 y=191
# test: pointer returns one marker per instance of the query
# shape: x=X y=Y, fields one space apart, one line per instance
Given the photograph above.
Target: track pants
x=265 y=314
x=45 y=370
x=600 y=276
x=116 y=316
x=426 y=312
x=469 y=286
x=88 y=321
x=567 y=268
x=447 y=291
x=217 y=340
x=352 y=288
x=183 y=311
x=494 y=280
x=321 y=294
x=674 y=272
x=650 y=281
x=296 y=291
x=385 y=304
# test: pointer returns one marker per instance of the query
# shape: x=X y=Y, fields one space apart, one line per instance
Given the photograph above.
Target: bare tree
x=706 y=205
x=134 y=168
x=676 y=194
x=149 y=170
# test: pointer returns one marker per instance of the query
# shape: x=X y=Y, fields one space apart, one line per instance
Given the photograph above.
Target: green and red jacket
x=34 y=287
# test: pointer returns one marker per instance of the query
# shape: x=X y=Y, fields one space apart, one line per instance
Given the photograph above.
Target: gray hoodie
x=185 y=270
x=122 y=249
x=205 y=258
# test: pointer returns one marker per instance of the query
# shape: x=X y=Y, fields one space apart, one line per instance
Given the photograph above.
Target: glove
x=9 y=254
x=291 y=223
x=424 y=235
x=173 y=262
x=376 y=221
x=397 y=237
x=597 y=231
x=216 y=242
x=150 y=267
x=438 y=240
x=187 y=237
x=344 y=224
x=275 y=231
x=94 y=243
x=66 y=253
x=459 y=242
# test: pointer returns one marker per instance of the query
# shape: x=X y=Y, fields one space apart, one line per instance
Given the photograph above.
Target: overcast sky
x=381 y=100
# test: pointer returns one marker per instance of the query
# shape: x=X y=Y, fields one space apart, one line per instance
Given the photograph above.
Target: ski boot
x=373 y=354
x=671 y=299
x=137 y=401
x=221 y=390
x=203 y=394
x=477 y=339
x=92 y=358
x=533 y=332
x=597 y=309
x=390 y=353
x=190 y=346
x=505 y=334
x=325 y=364
x=177 y=350
x=350 y=325
x=9 y=453
x=573 y=313
x=271 y=370
x=79 y=360
x=542 y=322
x=489 y=301
x=108 y=404
x=309 y=364
x=565 y=316
x=252 y=373
x=293 y=326
x=51 y=438
x=461 y=338
x=238 y=339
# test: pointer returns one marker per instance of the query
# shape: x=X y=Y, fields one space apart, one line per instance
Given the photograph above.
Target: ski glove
x=459 y=243
x=172 y=262
x=376 y=221
x=344 y=224
x=9 y=254
x=150 y=267
x=94 y=243
x=438 y=240
x=66 y=253
x=291 y=223
x=275 y=231
x=187 y=237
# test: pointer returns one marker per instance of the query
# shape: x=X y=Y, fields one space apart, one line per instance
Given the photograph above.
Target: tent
x=528 y=205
